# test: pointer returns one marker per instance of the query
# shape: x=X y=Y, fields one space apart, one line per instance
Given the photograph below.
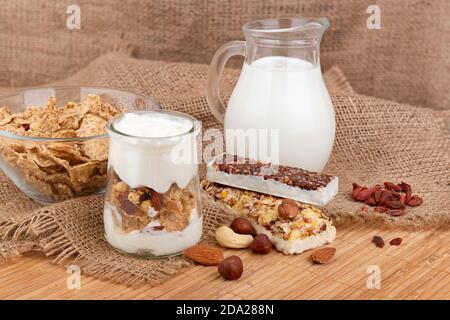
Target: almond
x=323 y=255
x=204 y=254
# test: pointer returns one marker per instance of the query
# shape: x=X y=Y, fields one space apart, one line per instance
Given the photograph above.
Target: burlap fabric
x=376 y=140
x=407 y=60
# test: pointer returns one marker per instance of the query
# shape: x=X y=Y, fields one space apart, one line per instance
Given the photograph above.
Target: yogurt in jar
x=152 y=202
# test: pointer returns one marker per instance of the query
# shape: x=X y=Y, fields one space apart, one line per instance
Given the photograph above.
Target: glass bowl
x=59 y=168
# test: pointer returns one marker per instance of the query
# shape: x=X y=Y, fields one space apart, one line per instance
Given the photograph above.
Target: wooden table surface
x=418 y=269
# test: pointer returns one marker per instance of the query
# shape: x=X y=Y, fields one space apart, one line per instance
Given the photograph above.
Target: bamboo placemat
x=417 y=269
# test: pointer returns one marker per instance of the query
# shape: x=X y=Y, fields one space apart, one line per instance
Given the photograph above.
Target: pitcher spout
x=289 y=37
x=287 y=31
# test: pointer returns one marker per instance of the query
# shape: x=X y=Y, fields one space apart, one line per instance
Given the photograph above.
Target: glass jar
x=152 y=205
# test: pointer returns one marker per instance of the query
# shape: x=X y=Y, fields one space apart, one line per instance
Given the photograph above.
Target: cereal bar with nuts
x=292 y=226
x=282 y=181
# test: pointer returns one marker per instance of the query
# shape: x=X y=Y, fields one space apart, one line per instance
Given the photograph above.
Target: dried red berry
x=364 y=194
x=395 y=212
x=402 y=199
x=157 y=200
x=371 y=201
x=356 y=191
x=395 y=195
x=392 y=186
x=407 y=196
x=394 y=204
x=385 y=196
x=415 y=201
x=405 y=187
x=129 y=207
x=395 y=241
x=380 y=209
x=379 y=242
x=377 y=196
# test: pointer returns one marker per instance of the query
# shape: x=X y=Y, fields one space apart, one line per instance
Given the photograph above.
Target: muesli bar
x=282 y=181
x=293 y=227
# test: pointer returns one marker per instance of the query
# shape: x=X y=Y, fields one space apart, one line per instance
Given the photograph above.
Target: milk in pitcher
x=287 y=94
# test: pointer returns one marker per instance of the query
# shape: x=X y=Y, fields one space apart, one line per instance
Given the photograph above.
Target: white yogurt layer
x=149 y=241
x=157 y=151
x=152 y=125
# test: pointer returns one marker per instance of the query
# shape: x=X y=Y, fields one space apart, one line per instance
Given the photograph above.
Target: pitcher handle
x=218 y=62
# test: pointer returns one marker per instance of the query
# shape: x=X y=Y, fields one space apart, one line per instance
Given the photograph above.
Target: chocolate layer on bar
x=290 y=176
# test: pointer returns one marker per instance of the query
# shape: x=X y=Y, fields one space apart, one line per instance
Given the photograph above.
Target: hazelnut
x=231 y=268
x=288 y=209
x=261 y=244
x=242 y=226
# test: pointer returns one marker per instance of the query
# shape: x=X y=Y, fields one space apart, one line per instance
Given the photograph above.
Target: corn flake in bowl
x=55 y=148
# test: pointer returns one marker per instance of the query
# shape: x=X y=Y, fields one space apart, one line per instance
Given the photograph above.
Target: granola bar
x=306 y=229
x=278 y=180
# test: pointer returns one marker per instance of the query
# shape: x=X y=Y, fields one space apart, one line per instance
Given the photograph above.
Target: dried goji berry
x=371 y=201
x=392 y=186
x=415 y=201
x=407 y=196
x=394 y=204
x=405 y=187
x=364 y=194
x=376 y=187
x=380 y=209
x=356 y=191
x=379 y=242
x=395 y=212
x=377 y=196
x=385 y=196
x=395 y=241
x=402 y=199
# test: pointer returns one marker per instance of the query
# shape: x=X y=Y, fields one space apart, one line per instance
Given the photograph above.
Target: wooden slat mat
x=417 y=269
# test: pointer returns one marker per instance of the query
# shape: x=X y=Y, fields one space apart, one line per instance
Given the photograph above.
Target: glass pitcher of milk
x=280 y=103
